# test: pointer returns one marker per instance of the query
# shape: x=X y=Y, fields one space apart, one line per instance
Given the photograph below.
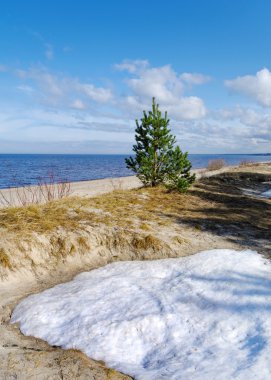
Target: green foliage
x=179 y=176
x=156 y=159
x=153 y=141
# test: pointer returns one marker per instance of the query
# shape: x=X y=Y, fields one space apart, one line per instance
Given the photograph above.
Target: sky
x=74 y=75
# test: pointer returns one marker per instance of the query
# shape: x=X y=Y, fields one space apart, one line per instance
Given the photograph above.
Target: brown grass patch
x=35 y=218
x=180 y=240
x=216 y=164
x=124 y=209
x=83 y=243
x=245 y=163
x=147 y=242
x=145 y=227
x=4 y=259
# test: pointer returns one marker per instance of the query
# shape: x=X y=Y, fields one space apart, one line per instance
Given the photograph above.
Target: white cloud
x=143 y=83
x=78 y=104
x=26 y=89
x=132 y=66
x=51 y=84
x=188 y=108
x=161 y=82
x=258 y=86
x=59 y=90
x=67 y=108
x=44 y=125
x=252 y=123
x=98 y=94
x=166 y=86
x=247 y=116
x=194 y=78
x=217 y=133
x=221 y=136
x=85 y=146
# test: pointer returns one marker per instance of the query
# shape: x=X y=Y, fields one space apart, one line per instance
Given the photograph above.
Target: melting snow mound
x=206 y=316
x=266 y=194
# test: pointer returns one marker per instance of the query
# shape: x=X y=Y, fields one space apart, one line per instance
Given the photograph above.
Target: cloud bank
x=166 y=85
x=66 y=111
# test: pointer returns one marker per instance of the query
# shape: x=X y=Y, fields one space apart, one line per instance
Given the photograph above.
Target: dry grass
x=245 y=163
x=123 y=240
x=83 y=243
x=4 y=259
x=131 y=220
x=36 y=218
x=60 y=248
x=147 y=242
x=145 y=227
x=136 y=217
x=216 y=164
x=129 y=209
x=47 y=189
x=180 y=240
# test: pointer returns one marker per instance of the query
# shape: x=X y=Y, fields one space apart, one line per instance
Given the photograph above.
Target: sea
x=28 y=169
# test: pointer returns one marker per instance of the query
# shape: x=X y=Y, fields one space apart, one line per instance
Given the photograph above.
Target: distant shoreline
x=128 y=154
x=25 y=170
x=95 y=187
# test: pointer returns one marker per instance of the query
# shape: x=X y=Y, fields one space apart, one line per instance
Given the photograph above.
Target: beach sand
x=14 y=196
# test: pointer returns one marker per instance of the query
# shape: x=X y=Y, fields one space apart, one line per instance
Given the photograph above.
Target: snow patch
x=266 y=194
x=206 y=316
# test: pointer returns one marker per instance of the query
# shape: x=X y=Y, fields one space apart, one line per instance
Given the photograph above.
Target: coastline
x=26 y=170
x=95 y=187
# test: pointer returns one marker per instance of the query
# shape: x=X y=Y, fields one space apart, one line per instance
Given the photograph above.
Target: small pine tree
x=179 y=176
x=156 y=159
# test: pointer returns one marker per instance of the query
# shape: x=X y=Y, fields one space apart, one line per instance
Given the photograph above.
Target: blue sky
x=75 y=74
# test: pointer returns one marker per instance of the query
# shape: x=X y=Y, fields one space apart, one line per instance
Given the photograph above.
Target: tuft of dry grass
x=147 y=242
x=180 y=240
x=145 y=227
x=4 y=259
x=47 y=189
x=216 y=164
x=83 y=243
x=245 y=163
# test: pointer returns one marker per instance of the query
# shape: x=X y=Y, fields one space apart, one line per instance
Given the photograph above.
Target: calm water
x=26 y=169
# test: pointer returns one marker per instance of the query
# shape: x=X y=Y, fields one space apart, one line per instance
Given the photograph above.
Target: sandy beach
x=11 y=197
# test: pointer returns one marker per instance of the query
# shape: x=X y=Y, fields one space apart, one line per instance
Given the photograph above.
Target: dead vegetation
x=130 y=208
x=47 y=189
x=37 y=218
x=245 y=163
x=4 y=259
x=216 y=164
